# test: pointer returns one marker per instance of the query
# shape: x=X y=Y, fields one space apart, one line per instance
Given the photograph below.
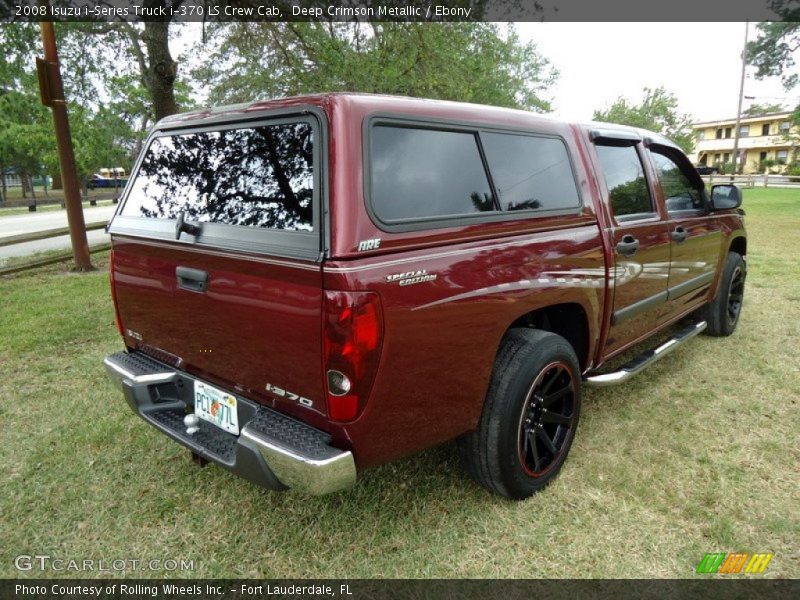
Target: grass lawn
x=699 y=454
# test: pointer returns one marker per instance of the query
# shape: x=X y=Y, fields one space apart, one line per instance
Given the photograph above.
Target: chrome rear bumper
x=272 y=449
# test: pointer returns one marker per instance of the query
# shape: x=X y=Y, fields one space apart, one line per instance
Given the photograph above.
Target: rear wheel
x=722 y=313
x=530 y=416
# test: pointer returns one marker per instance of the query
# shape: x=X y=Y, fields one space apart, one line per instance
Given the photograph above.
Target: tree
x=755 y=110
x=146 y=46
x=773 y=53
x=26 y=137
x=109 y=108
x=472 y=62
x=658 y=112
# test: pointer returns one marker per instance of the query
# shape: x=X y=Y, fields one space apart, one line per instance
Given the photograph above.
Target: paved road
x=19 y=224
x=52 y=219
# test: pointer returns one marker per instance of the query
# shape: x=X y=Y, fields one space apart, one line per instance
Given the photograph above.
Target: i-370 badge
x=411 y=277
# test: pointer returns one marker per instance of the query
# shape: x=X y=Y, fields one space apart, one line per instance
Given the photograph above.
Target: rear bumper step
x=272 y=450
x=646 y=359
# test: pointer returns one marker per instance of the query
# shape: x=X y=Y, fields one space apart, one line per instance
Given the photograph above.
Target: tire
x=529 y=417
x=722 y=313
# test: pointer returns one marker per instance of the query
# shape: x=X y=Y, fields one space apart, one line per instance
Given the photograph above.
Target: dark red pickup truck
x=312 y=286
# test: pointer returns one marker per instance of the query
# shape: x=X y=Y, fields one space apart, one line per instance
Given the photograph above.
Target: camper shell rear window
x=247 y=185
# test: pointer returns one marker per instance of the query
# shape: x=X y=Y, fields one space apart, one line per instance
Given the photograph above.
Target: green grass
x=699 y=454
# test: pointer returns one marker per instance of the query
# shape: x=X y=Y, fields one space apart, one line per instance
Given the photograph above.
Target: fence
x=755 y=180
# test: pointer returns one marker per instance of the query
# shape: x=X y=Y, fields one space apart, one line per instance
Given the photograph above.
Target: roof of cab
x=376 y=102
x=387 y=103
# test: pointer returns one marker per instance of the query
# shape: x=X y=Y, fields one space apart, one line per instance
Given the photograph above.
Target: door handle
x=628 y=245
x=679 y=235
x=194 y=280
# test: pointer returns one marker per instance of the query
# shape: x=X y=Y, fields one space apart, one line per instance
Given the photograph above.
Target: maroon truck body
x=257 y=330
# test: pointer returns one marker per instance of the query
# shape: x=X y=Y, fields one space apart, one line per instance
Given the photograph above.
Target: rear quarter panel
x=441 y=336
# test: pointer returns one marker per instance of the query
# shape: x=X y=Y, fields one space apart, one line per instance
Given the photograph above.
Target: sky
x=698 y=62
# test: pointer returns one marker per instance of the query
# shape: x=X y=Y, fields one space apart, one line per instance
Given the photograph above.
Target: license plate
x=216 y=406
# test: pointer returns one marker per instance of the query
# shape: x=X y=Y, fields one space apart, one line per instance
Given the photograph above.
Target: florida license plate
x=216 y=406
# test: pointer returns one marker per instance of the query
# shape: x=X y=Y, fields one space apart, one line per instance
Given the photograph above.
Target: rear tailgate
x=234 y=295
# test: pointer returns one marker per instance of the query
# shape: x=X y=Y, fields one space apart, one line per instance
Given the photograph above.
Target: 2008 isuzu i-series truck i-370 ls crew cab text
x=311 y=286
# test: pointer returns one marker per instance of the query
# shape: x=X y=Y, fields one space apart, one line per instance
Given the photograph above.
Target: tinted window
x=625 y=181
x=679 y=192
x=530 y=172
x=419 y=173
x=260 y=177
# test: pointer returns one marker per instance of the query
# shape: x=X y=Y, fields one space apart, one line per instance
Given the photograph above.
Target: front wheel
x=722 y=313
x=530 y=415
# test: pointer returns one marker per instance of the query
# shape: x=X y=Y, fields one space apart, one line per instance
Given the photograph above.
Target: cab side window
x=679 y=192
x=625 y=181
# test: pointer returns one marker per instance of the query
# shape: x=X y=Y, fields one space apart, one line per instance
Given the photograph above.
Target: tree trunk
x=33 y=189
x=3 y=189
x=162 y=71
x=23 y=184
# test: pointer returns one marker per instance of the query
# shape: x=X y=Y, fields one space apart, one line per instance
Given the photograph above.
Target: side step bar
x=646 y=359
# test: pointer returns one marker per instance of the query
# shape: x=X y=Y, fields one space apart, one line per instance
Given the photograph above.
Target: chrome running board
x=644 y=360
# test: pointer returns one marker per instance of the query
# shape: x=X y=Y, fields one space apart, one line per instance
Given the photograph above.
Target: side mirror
x=725 y=197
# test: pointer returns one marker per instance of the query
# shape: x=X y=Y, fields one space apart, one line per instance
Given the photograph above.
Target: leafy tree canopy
x=657 y=112
x=762 y=109
x=110 y=108
x=773 y=53
x=473 y=62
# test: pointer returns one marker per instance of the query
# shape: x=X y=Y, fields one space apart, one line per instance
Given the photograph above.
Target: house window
x=716 y=158
x=765 y=129
x=781 y=156
x=784 y=128
x=701 y=135
x=744 y=131
x=762 y=156
x=719 y=134
x=726 y=157
x=728 y=131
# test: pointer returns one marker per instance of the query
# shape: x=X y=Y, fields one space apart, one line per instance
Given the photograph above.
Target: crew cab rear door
x=216 y=264
x=640 y=239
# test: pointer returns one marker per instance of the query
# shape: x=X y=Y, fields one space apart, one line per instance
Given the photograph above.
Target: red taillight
x=352 y=347
x=111 y=269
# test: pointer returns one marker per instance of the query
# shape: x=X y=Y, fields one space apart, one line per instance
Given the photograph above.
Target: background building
x=765 y=142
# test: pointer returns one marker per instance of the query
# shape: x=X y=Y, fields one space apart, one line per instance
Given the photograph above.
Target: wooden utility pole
x=739 y=109
x=52 y=92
